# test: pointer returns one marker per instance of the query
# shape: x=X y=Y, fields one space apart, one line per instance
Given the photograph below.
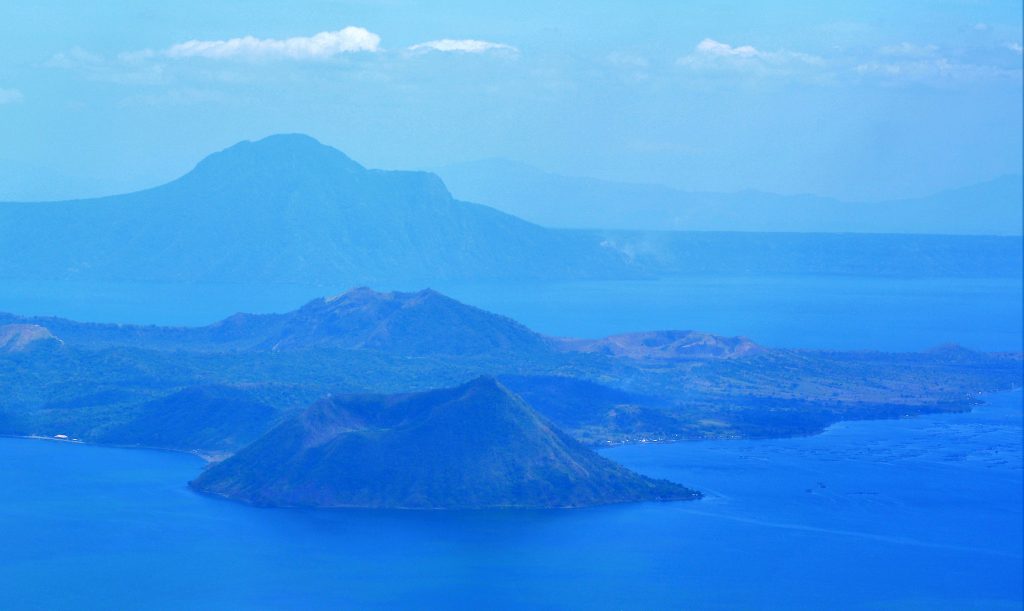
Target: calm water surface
x=895 y=314
x=922 y=513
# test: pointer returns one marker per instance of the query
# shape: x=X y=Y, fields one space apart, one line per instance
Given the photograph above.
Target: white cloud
x=10 y=96
x=913 y=63
x=448 y=45
x=1015 y=47
x=937 y=70
x=710 y=53
x=904 y=62
x=319 y=46
x=721 y=49
x=909 y=49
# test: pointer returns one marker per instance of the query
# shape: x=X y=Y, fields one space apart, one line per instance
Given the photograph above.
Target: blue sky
x=862 y=100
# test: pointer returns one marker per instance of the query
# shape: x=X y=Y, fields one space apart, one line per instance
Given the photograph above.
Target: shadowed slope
x=207 y=418
x=473 y=446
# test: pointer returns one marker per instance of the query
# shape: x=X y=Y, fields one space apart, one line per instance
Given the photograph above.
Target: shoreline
x=969 y=406
x=206 y=457
x=209 y=457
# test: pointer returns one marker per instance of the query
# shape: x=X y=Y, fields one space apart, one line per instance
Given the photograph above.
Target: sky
x=862 y=100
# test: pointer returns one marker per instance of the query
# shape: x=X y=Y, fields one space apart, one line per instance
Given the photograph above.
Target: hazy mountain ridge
x=282 y=209
x=421 y=323
x=989 y=208
x=645 y=386
x=288 y=209
x=425 y=322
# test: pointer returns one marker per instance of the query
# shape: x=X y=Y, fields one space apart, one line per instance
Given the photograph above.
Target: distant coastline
x=212 y=457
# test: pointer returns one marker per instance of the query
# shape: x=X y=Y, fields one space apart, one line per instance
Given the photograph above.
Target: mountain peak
x=473 y=446
x=287 y=144
x=363 y=296
x=421 y=323
x=290 y=140
x=485 y=382
x=488 y=389
x=361 y=293
x=277 y=155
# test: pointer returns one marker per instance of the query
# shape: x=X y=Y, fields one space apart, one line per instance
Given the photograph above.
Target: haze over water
x=584 y=168
x=921 y=513
x=892 y=314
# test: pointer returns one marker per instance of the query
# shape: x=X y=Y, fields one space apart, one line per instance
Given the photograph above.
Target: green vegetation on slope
x=474 y=446
x=103 y=379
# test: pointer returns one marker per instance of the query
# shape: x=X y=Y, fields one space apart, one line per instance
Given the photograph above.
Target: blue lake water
x=923 y=513
x=895 y=314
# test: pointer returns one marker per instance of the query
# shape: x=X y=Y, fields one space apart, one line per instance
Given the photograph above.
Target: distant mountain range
x=413 y=324
x=474 y=446
x=287 y=209
x=424 y=323
x=215 y=388
x=552 y=200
